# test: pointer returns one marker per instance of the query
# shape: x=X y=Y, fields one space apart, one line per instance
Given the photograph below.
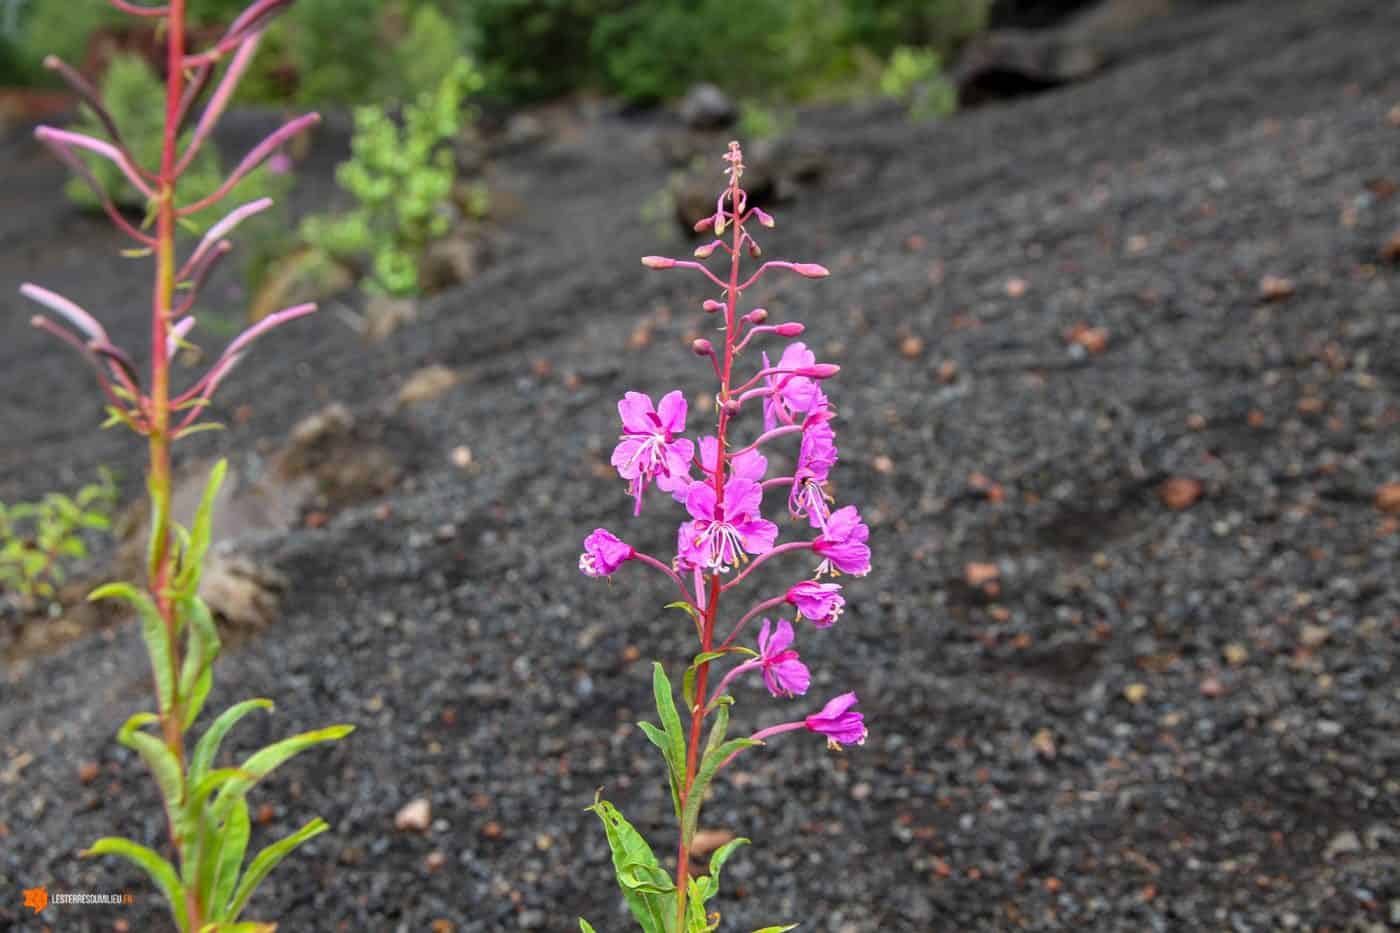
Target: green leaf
x=716 y=751
x=247 y=927
x=261 y=763
x=585 y=927
x=670 y=719
x=632 y=858
x=722 y=855
x=790 y=926
x=233 y=845
x=160 y=871
x=157 y=757
x=201 y=532
x=267 y=859
x=208 y=747
x=658 y=738
x=153 y=632
x=196 y=675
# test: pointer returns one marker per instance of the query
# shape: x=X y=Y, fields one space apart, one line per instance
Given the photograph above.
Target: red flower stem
x=707 y=632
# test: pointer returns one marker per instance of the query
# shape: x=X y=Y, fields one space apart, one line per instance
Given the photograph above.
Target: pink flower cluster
x=722 y=484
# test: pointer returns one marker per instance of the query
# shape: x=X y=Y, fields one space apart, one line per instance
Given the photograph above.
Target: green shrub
x=916 y=77
x=403 y=180
x=38 y=540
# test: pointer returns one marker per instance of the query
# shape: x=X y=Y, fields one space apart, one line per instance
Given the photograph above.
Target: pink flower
x=815 y=458
x=749 y=465
x=839 y=723
x=820 y=602
x=842 y=544
x=783 y=673
x=603 y=553
x=721 y=535
x=789 y=394
x=649 y=448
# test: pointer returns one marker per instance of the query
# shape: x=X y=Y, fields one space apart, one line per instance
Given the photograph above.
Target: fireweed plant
x=206 y=806
x=722 y=482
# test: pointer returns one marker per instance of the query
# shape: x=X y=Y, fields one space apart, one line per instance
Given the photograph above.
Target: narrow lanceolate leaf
x=670 y=719
x=208 y=747
x=164 y=767
x=783 y=929
x=585 y=927
x=196 y=674
x=266 y=860
x=673 y=779
x=233 y=845
x=716 y=752
x=153 y=632
x=259 y=764
x=653 y=908
x=201 y=532
x=239 y=928
x=159 y=870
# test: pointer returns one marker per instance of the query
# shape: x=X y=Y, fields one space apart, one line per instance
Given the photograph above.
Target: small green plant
x=403 y=180
x=916 y=77
x=39 y=539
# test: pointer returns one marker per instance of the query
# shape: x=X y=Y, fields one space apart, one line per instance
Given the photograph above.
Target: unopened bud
x=790 y=329
x=811 y=270
x=704 y=224
x=757 y=316
x=658 y=262
x=710 y=306
x=720 y=224
x=702 y=347
x=704 y=252
x=754 y=251
x=731 y=407
x=819 y=370
x=764 y=218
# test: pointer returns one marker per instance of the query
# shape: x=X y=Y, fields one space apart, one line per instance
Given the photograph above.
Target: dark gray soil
x=1164 y=719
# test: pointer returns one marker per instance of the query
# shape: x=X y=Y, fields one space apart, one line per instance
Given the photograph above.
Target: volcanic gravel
x=1174 y=708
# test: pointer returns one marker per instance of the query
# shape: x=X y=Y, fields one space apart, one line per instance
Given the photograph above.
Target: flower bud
x=757 y=316
x=702 y=347
x=819 y=371
x=710 y=306
x=764 y=218
x=811 y=270
x=704 y=252
x=719 y=225
x=658 y=262
x=731 y=407
x=790 y=329
x=754 y=251
x=704 y=224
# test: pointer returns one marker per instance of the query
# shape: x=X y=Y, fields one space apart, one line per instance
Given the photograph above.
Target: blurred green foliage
x=39 y=540
x=357 y=51
x=403 y=179
x=916 y=77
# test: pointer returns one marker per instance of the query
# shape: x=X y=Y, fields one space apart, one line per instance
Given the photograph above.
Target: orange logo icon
x=37 y=898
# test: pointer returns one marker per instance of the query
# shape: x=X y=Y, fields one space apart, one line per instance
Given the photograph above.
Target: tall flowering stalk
x=206 y=807
x=721 y=482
